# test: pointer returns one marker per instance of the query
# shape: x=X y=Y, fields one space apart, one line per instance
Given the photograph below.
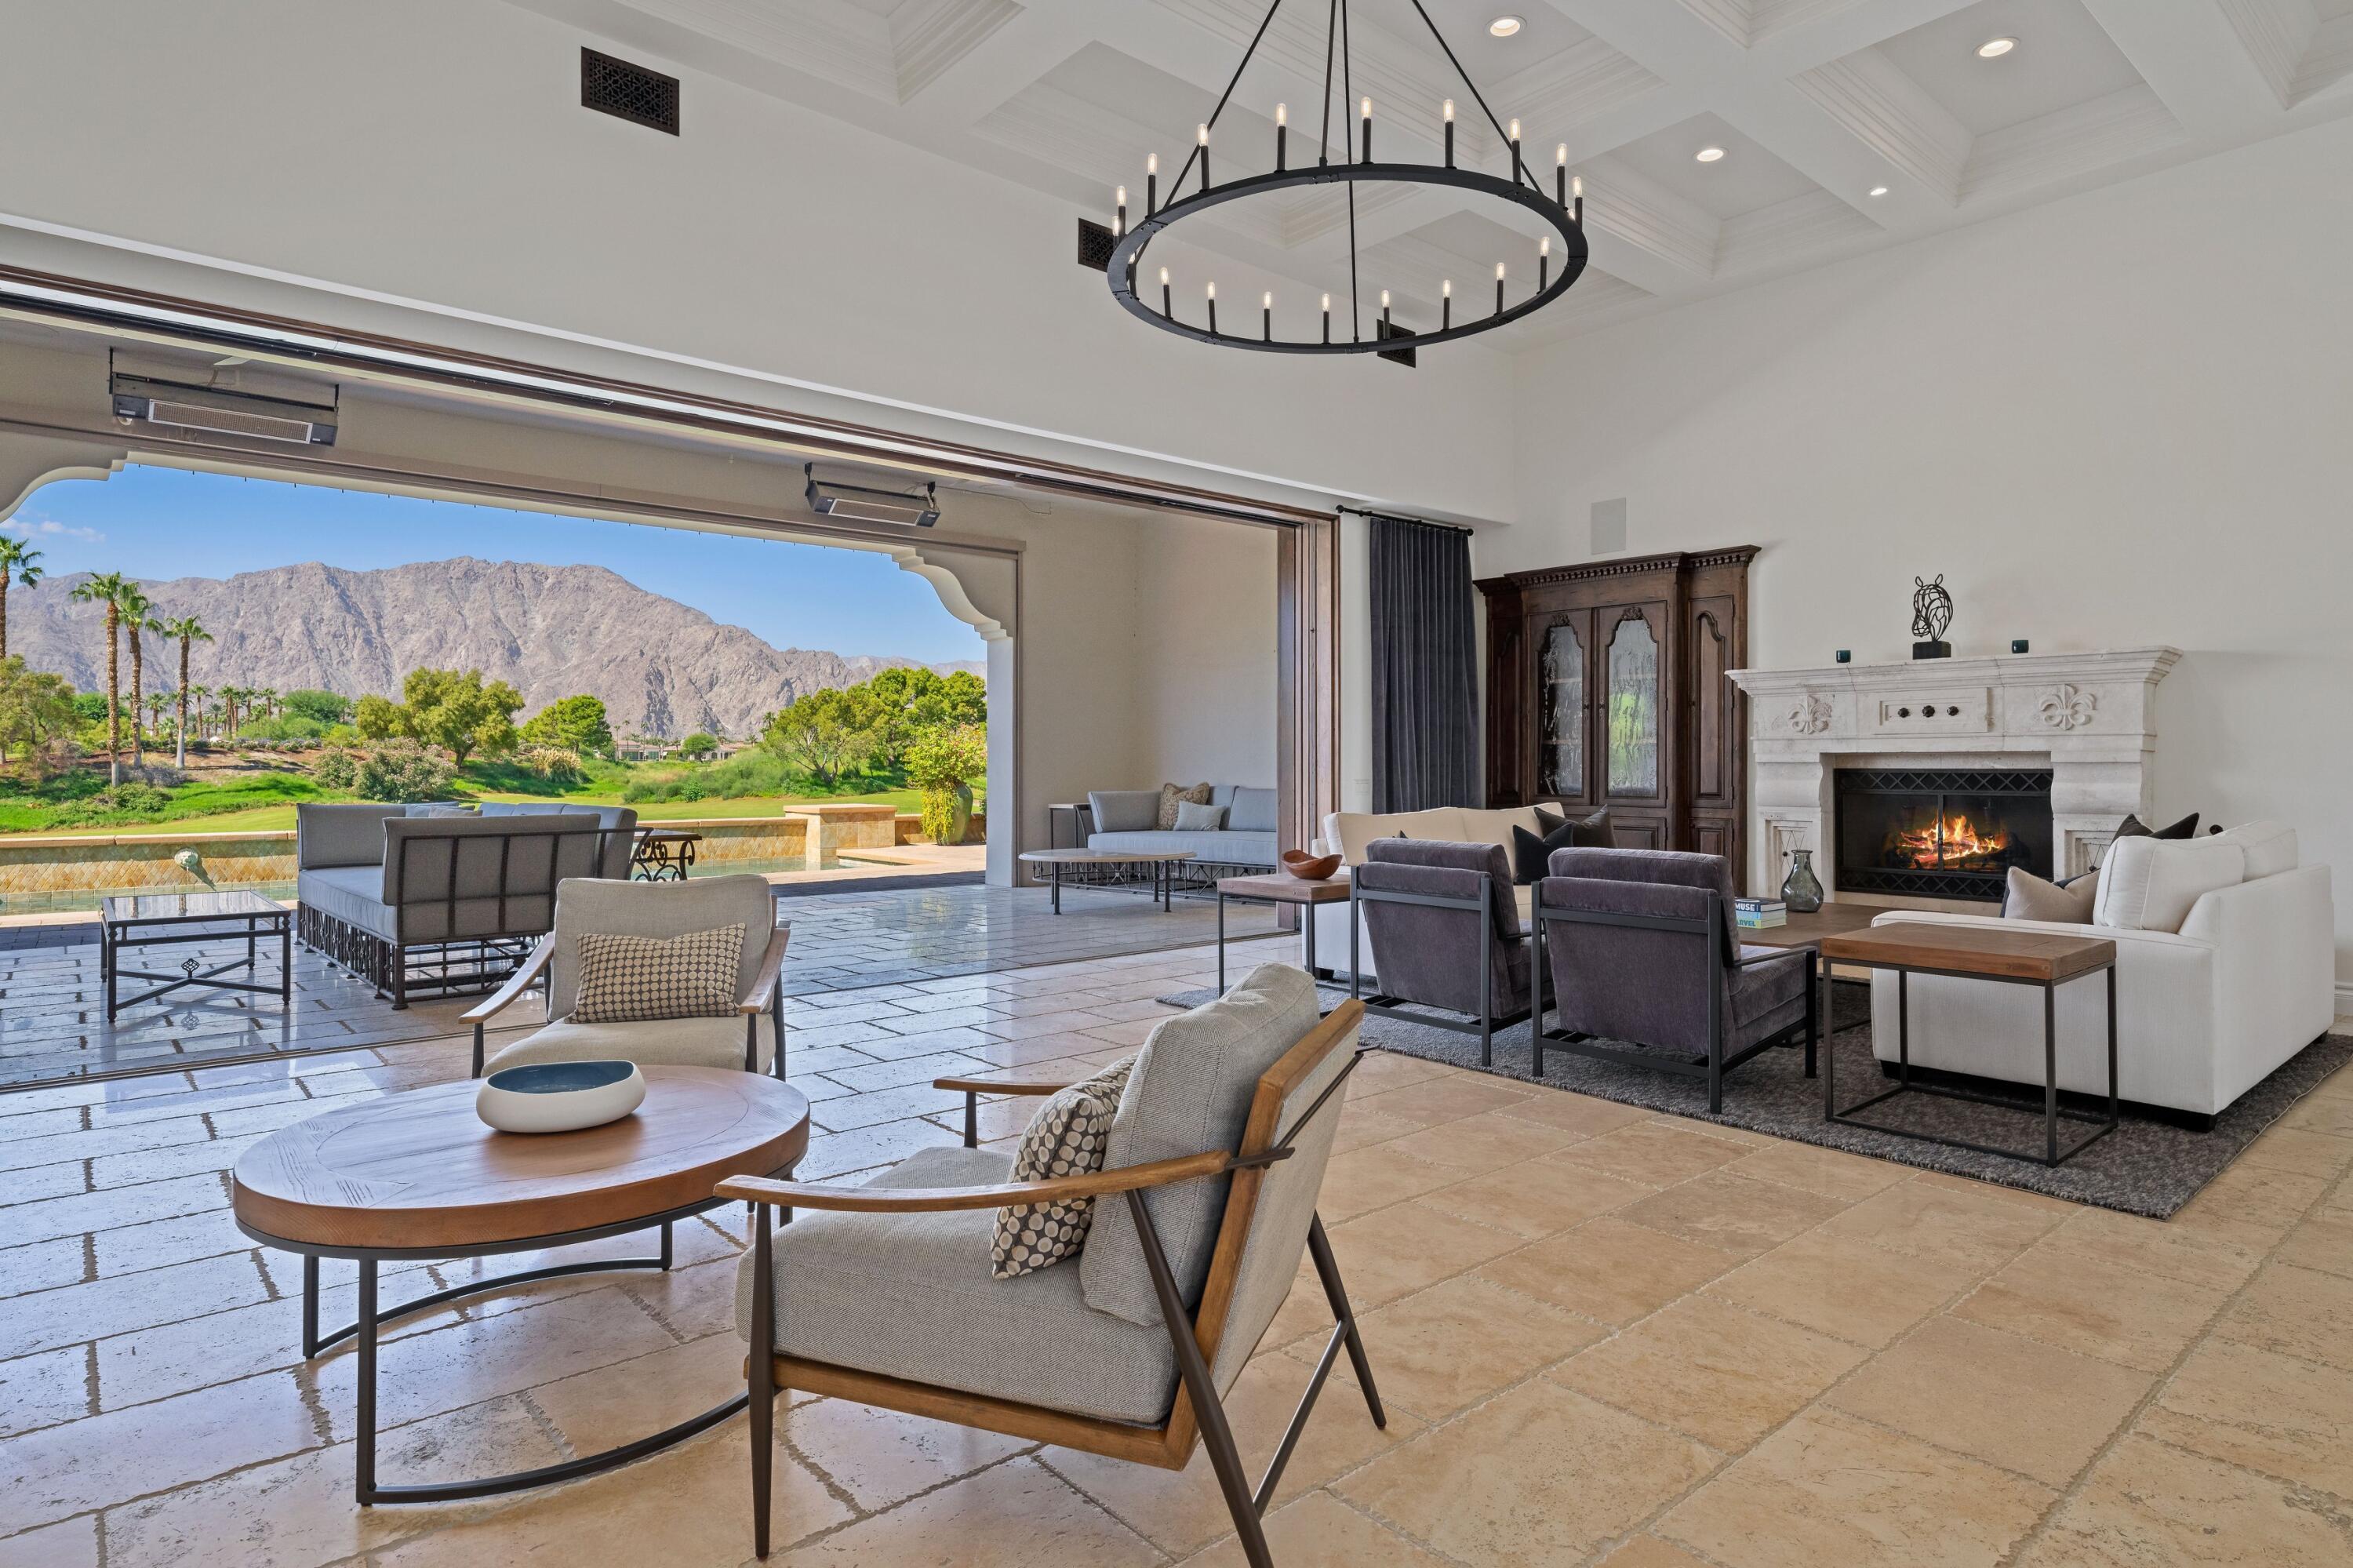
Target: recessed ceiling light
x=1994 y=49
x=1879 y=190
x=1504 y=27
x=1708 y=154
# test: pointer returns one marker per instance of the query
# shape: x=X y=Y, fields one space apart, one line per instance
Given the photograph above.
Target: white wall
x=436 y=151
x=2124 y=418
x=1204 y=681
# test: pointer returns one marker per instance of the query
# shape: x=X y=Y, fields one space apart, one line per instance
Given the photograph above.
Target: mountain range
x=663 y=668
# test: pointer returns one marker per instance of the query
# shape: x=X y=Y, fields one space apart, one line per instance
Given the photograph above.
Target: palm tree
x=109 y=589
x=184 y=630
x=230 y=697
x=18 y=564
x=138 y=621
x=268 y=697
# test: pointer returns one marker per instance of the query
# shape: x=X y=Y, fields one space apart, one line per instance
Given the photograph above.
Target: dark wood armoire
x=1606 y=687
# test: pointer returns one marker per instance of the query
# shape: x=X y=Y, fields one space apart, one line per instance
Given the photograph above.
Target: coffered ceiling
x=1815 y=105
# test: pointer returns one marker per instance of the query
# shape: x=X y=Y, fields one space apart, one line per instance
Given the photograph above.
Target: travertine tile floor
x=1604 y=1336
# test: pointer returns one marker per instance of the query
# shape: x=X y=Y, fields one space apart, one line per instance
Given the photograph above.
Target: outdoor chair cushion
x=667 y=1041
x=1253 y=812
x=1224 y=847
x=627 y=980
x=658 y=909
x=341 y=834
x=351 y=894
x=1191 y=1091
x=910 y=1296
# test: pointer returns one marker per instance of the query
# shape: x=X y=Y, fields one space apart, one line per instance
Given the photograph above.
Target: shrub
x=750 y=772
x=155 y=775
x=394 y=770
x=287 y=730
x=560 y=766
x=943 y=764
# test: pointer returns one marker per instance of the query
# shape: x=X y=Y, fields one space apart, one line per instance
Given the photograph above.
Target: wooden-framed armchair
x=754 y=1032
x=1043 y=1356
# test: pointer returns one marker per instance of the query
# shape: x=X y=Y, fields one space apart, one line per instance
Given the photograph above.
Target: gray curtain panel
x=1425 y=687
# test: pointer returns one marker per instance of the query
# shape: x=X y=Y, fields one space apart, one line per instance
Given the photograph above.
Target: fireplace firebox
x=1940 y=833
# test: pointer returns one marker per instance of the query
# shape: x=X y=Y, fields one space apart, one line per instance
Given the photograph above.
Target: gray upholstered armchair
x=882 y=1294
x=1444 y=920
x=752 y=1036
x=1643 y=948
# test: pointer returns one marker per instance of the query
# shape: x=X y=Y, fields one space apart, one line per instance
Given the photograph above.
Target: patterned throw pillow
x=1066 y=1138
x=1174 y=795
x=631 y=980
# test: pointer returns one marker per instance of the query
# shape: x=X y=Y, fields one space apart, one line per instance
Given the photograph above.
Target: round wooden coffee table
x=417 y=1175
x=1163 y=864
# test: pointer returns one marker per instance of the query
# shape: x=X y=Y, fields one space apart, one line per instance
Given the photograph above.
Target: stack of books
x=1755 y=914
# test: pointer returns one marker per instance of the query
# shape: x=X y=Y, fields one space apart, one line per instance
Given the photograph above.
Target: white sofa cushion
x=1495 y=827
x=2270 y=847
x=2148 y=884
x=1350 y=831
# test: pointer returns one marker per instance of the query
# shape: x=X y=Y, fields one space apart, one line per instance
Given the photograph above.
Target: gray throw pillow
x=1174 y=795
x=1066 y=1137
x=2030 y=897
x=1193 y=819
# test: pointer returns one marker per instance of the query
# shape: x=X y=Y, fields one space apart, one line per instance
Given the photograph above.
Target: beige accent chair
x=751 y=1037
x=1205 y=1207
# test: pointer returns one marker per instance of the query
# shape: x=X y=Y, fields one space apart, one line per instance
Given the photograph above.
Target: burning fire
x=1955 y=842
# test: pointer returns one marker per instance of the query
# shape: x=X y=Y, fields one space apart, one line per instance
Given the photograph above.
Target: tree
x=138 y=621
x=109 y=589
x=183 y=630
x=266 y=697
x=570 y=724
x=35 y=705
x=378 y=718
x=458 y=711
x=19 y=565
x=321 y=707
x=701 y=743
x=230 y=697
x=825 y=735
x=907 y=701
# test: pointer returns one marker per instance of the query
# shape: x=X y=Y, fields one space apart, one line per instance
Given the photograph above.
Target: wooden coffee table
x=1163 y=863
x=417 y=1175
x=2044 y=958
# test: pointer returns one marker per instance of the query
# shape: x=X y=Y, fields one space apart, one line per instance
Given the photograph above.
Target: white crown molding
x=1787 y=231
x=2108 y=665
x=825 y=38
x=1769 y=17
x=1730 y=17
x=1577 y=85
x=1649 y=217
x=2275 y=34
x=2078 y=140
x=929 y=37
x=1890 y=113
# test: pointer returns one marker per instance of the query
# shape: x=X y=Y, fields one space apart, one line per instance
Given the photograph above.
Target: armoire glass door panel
x=1632 y=707
x=1560 y=697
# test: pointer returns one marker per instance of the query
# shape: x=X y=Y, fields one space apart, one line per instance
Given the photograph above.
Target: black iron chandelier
x=1560 y=254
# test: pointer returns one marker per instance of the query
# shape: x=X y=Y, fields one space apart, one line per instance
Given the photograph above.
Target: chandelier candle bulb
x=1202 y=136
x=1449 y=115
x=1281 y=134
x=1327 y=318
x=1151 y=183
x=1499 y=288
x=1560 y=174
x=1384 y=307
x=1266 y=316
x=1164 y=291
x=1516 y=165
x=1213 y=307
x=1544 y=262
x=1123 y=211
x=1365 y=111
x=1446 y=304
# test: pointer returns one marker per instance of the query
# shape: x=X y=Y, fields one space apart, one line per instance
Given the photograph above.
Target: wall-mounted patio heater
x=142 y=399
x=917 y=508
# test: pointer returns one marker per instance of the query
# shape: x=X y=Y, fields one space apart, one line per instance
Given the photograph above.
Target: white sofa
x=2202 y=1013
x=1347 y=833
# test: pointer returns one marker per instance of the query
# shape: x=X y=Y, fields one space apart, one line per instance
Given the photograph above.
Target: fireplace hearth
x=1940 y=833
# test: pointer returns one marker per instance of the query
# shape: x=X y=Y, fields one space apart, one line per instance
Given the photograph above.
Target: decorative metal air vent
x=1095 y=242
x=615 y=87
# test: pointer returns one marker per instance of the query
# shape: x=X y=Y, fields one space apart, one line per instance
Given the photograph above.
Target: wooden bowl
x=1310 y=868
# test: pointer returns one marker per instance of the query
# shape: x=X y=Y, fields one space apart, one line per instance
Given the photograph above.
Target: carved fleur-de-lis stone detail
x=1809 y=712
x=2067 y=706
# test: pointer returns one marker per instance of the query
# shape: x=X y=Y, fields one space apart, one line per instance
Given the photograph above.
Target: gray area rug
x=2145 y=1167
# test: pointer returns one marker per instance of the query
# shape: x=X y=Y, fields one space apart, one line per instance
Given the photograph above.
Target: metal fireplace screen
x=1941 y=832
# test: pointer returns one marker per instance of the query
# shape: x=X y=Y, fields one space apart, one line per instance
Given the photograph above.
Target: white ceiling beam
x=2196 y=55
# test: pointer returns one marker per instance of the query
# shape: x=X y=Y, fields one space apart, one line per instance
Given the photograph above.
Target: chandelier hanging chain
x=1564 y=216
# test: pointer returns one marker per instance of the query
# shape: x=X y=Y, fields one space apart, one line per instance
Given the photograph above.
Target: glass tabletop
x=206 y=905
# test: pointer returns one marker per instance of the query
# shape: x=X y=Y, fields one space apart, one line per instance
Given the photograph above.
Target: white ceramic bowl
x=559 y=1097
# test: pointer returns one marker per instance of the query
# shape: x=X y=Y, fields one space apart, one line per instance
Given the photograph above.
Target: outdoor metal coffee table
x=2046 y=959
x=417 y=1175
x=178 y=919
x=1163 y=864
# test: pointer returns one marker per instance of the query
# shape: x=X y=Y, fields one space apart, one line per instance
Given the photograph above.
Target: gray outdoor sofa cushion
x=1223 y=847
x=443 y=876
x=1124 y=810
x=1190 y=1091
x=351 y=894
x=668 y=1042
x=911 y=1296
x=341 y=834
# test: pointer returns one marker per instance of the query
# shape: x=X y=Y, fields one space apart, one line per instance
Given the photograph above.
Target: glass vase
x=1801 y=891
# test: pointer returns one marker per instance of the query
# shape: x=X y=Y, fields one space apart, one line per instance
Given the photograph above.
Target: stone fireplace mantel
x=2089 y=717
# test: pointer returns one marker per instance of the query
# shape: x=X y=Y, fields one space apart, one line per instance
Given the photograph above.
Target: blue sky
x=156 y=522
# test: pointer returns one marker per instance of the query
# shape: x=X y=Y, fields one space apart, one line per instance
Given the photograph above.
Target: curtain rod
x=1396 y=517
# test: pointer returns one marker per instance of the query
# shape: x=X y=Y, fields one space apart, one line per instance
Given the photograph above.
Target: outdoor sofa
x=436 y=899
x=1129 y=820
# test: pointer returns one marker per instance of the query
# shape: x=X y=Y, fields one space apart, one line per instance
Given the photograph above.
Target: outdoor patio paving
x=52 y=997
